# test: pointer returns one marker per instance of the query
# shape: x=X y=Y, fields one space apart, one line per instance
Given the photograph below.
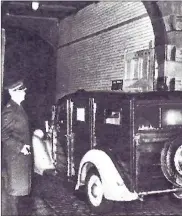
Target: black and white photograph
x=91 y=108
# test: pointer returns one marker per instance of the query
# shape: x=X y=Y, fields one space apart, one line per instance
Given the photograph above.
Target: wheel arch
x=112 y=181
x=100 y=161
x=87 y=166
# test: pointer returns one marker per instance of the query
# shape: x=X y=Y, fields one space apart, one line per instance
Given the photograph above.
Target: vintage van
x=121 y=146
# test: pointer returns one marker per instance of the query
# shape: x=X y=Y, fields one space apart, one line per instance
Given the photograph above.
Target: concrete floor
x=54 y=196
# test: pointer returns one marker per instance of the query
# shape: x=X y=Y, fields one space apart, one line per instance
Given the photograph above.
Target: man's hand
x=26 y=149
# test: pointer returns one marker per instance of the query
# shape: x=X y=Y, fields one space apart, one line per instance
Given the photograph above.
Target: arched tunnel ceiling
x=47 y=9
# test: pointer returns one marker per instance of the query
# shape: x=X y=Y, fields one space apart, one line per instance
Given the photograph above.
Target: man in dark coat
x=16 y=143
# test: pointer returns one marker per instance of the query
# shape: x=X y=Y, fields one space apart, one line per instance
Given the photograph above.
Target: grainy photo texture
x=91 y=108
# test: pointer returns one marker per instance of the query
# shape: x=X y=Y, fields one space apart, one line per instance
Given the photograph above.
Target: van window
x=171 y=117
x=80 y=114
x=112 y=117
x=147 y=117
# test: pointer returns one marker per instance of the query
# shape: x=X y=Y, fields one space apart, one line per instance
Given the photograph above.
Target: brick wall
x=92 y=44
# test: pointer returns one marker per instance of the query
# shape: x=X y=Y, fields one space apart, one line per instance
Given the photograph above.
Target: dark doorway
x=29 y=57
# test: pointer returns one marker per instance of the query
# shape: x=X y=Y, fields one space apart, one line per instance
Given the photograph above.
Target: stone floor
x=54 y=196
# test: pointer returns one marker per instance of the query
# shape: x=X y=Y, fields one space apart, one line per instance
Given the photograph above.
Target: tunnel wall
x=93 y=43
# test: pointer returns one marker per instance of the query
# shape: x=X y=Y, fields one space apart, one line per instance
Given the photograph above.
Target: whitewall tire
x=95 y=193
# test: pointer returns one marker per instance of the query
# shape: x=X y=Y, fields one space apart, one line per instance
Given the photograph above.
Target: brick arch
x=160 y=33
x=157 y=22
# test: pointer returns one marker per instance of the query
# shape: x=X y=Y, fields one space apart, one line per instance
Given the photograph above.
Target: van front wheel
x=95 y=193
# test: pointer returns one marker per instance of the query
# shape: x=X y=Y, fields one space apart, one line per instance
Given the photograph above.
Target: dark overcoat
x=15 y=134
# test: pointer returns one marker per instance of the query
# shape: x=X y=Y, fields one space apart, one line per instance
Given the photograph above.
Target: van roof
x=152 y=95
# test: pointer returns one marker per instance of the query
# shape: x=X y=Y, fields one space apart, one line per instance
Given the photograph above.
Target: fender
x=113 y=185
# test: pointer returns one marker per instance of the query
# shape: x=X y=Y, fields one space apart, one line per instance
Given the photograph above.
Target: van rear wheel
x=171 y=161
x=95 y=193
